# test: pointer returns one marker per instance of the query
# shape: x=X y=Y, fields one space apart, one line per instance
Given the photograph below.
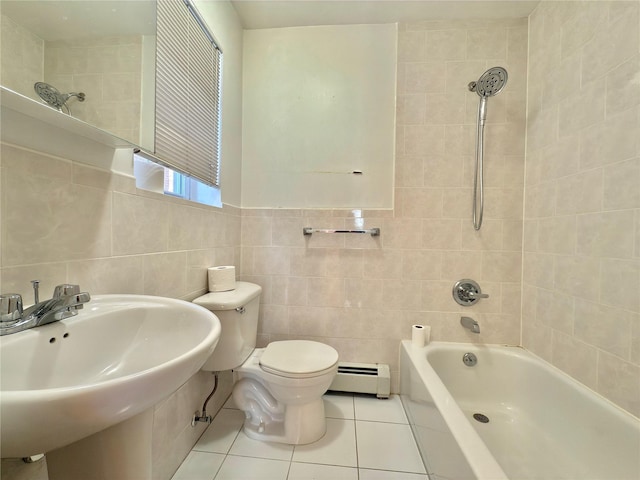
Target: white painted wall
x=223 y=22
x=319 y=102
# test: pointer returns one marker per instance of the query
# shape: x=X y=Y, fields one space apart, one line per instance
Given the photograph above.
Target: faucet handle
x=466 y=292
x=72 y=295
x=10 y=307
x=471 y=294
x=65 y=290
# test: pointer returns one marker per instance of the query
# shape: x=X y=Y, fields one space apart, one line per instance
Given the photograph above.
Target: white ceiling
x=255 y=14
x=64 y=19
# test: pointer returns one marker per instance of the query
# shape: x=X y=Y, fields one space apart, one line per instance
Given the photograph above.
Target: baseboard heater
x=371 y=378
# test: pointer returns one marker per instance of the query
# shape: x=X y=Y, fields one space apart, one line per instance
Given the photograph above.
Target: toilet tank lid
x=243 y=294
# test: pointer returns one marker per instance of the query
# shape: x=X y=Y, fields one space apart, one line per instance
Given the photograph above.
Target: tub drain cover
x=481 y=418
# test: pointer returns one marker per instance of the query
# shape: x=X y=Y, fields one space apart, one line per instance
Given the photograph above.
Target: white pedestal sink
x=96 y=376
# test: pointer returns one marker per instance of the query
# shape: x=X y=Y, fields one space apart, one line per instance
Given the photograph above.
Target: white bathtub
x=542 y=425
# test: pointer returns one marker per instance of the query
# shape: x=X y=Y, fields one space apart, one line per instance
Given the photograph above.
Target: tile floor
x=366 y=439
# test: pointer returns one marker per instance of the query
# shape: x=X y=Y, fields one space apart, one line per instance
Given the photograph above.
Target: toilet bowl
x=280 y=390
x=279 y=387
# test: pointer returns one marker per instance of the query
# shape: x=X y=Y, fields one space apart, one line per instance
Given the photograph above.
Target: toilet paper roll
x=427 y=334
x=420 y=335
x=222 y=278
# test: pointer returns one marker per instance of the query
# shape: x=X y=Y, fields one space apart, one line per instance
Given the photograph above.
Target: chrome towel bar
x=374 y=232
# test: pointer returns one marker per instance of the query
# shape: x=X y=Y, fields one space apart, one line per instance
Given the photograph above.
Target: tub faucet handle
x=473 y=294
x=466 y=292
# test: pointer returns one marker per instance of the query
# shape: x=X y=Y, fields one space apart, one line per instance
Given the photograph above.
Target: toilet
x=279 y=387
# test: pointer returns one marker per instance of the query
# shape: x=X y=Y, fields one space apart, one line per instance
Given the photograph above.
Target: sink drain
x=481 y=418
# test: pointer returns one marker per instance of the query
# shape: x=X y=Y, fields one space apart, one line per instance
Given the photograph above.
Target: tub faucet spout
x=470 y=323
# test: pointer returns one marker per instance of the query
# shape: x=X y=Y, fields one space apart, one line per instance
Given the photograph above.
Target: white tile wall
x=108 y=70
x=21 y=58
x=582 y=199
x=66 y=222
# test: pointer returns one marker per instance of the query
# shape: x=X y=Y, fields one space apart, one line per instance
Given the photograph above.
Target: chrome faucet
x=470 y=323
x=467 y=292
x=67 y=300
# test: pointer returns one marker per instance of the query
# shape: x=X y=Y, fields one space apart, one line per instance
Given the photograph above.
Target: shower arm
x=67 y=96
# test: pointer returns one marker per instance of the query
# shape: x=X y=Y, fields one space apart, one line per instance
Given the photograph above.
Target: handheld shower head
x=491 y=82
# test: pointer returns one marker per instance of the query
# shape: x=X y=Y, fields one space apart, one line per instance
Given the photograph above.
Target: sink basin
x=119 y=356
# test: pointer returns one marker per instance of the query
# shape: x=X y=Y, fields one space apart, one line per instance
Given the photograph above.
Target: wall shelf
x=31 y=124
x=14 y=103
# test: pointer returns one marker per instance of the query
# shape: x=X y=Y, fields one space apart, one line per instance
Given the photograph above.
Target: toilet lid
x=298 y=358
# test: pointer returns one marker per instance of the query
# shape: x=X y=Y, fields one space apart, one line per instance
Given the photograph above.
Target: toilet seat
x=298 y=359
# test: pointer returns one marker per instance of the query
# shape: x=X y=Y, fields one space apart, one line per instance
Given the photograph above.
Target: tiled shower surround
x=579 y=257
x=581 y=308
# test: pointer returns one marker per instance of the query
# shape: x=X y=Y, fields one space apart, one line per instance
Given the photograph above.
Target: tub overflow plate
x=469 y=359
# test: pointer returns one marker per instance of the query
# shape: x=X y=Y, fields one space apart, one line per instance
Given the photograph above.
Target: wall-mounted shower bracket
x=467 y=292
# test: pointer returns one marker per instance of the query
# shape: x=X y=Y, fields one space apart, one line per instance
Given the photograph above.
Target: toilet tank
x=238 y=313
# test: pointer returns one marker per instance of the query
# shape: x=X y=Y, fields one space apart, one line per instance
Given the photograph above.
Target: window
x=158 y=178
x=188 y=83
x=182 y=186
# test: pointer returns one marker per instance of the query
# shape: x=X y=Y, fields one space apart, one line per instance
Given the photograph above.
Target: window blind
x=188 y=71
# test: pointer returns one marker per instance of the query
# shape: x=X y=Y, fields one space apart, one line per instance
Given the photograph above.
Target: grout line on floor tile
x=379 y=421
x=290 y=463
x=218 y=469
x=395 y=471
x=355 y=431
x=322 y=464
x=258 y=458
